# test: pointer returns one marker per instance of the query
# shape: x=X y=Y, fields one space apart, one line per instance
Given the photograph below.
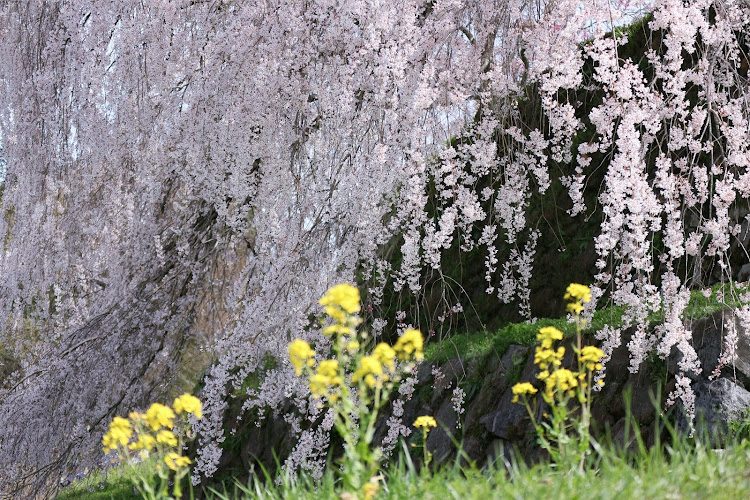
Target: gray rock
x=509 y=421
x=495 y=383
x=453 y=371
x=707 y=342
x=440 y=440
x=636 y=398
x=424 y=373
x=717 y=403
x=505 y=419
x=744 y=272
x=740 y=368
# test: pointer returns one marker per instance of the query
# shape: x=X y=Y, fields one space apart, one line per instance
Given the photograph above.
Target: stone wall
x=491 y=426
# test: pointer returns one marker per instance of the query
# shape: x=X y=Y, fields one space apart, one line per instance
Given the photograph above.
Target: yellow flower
x=352 y=347
x=560 y=381
x=189 y=404
x=158 y=416
x=326 y=377
x=522 y=389
x=167 y=437
x=574 y=308
x=548 y=335
x=319 y=385
x=136 y=417
x=301 y=354
x=369 y=369
x=338 y=329
x=329 y=368
x=145 y=442
x=546 y=357
x=576 y=292
x=411 y=342
x=175 y=461
x=340 y=301
x=425 y=421
x=369 y=490
x=119 y=433
x=591 y=357
x=385 y=355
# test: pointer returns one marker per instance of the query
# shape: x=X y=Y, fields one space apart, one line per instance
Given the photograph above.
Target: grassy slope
x=687 y=471
x=687 y=474
x=110 y=484
x=646 y=479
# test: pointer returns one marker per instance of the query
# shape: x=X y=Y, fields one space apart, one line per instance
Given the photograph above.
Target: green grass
x=685 y=471
x=701 y=306
x=109 y=484
x=481 y=343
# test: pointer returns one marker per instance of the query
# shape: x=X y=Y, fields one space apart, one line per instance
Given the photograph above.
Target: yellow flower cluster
x=325 y=379
x=548 y=335
x=574 y=308
x=579 y=292
x=425 y=421
x=301 y=355
x=189 y=404
x=411 y=343
x=352 y=347
x=369 y=490
x=175 y=461
x=577 y=295
x=167 y=437
x=385 y=355
x=546 y=358
x=522 y=389
x=355 y=383
x=152 y=430
x=144 y=444
x=341 y=302
x=370 y=370
x=119 y=434
x=338 y=329
x=591 y=358
x=561 y=385
x=159 y=415
x=381 y=364
x=560 y=381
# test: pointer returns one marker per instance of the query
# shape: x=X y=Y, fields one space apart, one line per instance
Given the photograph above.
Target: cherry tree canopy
x=195 y=172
